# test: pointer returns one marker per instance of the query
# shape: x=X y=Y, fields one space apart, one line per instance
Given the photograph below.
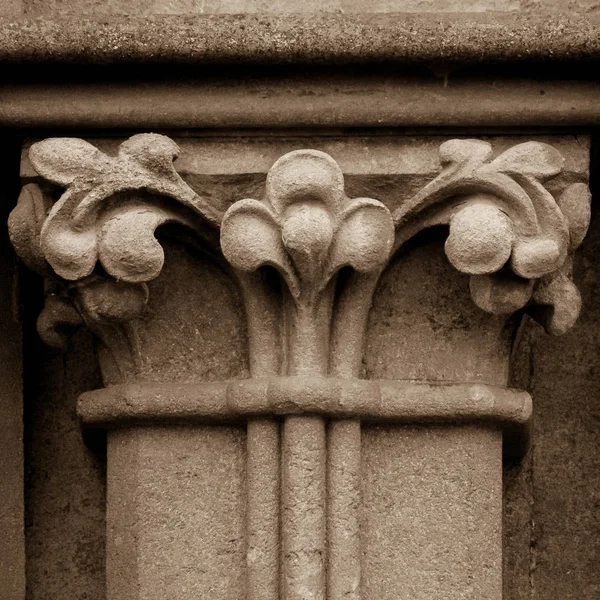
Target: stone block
x=175 y=513
x=431 y=513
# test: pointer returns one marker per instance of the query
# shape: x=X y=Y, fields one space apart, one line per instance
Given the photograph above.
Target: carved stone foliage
x=96 y=245
x=506 y=229
x=307 y=259
x=308 y=229
x=97 y=249
x=93 y=221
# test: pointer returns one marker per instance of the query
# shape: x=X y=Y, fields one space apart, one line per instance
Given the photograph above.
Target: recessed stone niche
x=306 y=396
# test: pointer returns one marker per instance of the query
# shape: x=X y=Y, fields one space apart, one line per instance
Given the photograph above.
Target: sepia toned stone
x=514 y=37
x=316 y=496
x=12 y=454
x=288 y=274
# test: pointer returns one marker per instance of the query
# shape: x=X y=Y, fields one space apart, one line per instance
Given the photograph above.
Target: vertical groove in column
x=343 y=499
x=262 y=510
x=303 y=518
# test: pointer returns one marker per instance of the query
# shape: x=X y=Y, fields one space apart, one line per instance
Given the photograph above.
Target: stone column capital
x=306 y=258
x=97 y=241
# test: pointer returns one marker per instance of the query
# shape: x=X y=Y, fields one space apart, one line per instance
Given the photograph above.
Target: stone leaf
x=71 y=252
x=63 y=160
x=251 y=238
x=58 y=319
x=534 y=159
x=304 y=175
x=500 y=293
x=128 y=248
x=107 y=301
x=473 y=152
x=575 y=204
x=505 y=228
x=24 y=226
x=72 y=232
x=364 y=238
x=556 y=302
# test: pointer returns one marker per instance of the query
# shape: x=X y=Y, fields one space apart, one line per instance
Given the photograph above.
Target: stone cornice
x=327 y=101
x=427 y=38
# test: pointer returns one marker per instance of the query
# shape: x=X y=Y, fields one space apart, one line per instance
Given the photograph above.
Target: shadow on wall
x=552 y=501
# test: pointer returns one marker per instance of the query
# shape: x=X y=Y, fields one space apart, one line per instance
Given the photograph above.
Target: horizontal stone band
x=369 y=400
x=402 y=402
x=372 y=101
x=318 y=38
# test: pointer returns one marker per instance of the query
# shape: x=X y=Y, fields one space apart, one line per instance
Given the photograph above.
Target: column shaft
x=304 y=481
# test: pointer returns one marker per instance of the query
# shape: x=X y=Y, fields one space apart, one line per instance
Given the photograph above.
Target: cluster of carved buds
x=506 y=229
x=308 y=229
x=96 y=245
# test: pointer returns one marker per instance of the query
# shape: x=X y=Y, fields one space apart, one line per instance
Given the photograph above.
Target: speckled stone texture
x=205 y=311
x=431 y=513
x=423 y=326
x=65 y=477
x=552 y=517
x=104 y=7
x=12 y=547
x=507 y=37
x=409 y=474
x=176 y=513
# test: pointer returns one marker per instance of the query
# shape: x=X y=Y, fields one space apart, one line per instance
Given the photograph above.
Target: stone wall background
x=552 y=500
x=64 y=477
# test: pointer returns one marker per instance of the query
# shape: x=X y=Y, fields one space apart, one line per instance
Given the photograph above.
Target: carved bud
x=306 y=226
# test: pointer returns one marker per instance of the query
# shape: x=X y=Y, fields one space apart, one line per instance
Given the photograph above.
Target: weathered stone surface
x=12 y=532
x=565 y=476
x=552 y=533
x=182 y=7
x=65 y=478
x=515 y=213
x=551 y=525
x=175 y=511
x=431 y=513
x=204 y=309
x=536 y=236
x=386 y=401
x=315 y=38
x=11 y=8
x=419 y=297
x=331 y=98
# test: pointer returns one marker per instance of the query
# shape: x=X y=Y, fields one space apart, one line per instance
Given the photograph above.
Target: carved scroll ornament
x=506 y=229
x=95 y=246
